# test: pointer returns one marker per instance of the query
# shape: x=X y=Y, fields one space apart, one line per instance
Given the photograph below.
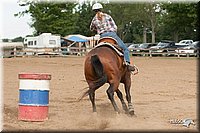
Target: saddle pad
x=111 y=46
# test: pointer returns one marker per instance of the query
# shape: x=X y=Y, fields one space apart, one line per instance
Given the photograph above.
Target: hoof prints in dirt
x=94 y=123
x=10 y=112
x=10 y=116
x=103 y=125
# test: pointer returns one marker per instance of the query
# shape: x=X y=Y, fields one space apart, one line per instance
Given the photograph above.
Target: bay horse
x=104 y=65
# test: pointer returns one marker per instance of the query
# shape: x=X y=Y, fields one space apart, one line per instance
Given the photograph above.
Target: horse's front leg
x=130 y=105
x=128 y=97
x=110 y=93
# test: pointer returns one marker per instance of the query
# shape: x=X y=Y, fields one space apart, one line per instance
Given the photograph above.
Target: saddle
x=110 y=42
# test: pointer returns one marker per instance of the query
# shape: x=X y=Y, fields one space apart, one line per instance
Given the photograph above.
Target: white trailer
x=46 y=43
x=45 y=40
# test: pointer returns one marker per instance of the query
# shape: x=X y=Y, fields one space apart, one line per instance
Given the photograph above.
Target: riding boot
x=130 y=68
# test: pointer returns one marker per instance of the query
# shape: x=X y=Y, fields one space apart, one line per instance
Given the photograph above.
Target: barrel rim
x=35 y=76
x=33 y=89
x=35 y=105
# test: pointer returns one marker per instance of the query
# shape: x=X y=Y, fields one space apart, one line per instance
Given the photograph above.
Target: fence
x=168 y=52
x=9 y=52
x=63 y=51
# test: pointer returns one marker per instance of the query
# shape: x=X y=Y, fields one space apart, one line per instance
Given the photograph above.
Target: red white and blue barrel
x=33 y=96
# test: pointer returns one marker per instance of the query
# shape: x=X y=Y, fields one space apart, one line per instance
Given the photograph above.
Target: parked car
x=144 y=47
x=165 y=46
x=128 y=44
x=186 y=50
x=133 y=47
x=190 y=49
x=185 y=42
x=196 y=44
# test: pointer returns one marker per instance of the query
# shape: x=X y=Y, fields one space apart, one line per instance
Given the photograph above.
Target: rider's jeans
x=120 y=43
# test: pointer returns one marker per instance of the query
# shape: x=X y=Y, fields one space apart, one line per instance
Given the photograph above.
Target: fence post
x=178 y=53
x=150 y=53
x=188 y=54
x=197 y=52
x=15 y=51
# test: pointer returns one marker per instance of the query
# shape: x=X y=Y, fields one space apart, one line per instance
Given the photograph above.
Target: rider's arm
x=92 y=26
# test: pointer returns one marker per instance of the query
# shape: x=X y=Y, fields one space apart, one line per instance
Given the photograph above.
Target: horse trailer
x=46 y=43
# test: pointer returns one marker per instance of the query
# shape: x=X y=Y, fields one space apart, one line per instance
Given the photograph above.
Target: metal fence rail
x=59 y=51
x=171 y=52
x=63 y=51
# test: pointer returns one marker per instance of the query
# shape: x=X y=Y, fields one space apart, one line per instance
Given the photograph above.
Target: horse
x=105 y=65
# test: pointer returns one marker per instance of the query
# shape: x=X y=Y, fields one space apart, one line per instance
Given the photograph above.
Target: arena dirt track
x=165 y=88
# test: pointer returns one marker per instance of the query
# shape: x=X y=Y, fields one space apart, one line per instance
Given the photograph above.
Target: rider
x=105 y=26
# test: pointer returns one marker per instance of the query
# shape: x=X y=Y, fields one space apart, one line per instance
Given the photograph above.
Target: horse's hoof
x=131 y=112
x=118 y=112
x=127 y=112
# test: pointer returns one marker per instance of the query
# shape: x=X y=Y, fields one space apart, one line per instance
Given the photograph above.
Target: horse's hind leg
x=110 y=93
x=92 y=99
x=120 y=96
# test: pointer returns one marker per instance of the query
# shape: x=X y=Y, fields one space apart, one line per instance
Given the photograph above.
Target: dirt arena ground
x=165 y=89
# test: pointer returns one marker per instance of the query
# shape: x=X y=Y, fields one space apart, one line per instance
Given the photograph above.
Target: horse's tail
x=99 y=72
x=97 y=66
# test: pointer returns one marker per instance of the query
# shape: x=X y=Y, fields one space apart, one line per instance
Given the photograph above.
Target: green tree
x=137 y=22
x=137 y=15
x=18 y=39
x=57 y=18
x=85 y=15
x=5 y=40
x=179 y=21
x=125 y=17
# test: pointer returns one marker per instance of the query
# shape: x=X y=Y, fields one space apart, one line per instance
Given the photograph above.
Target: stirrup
x=136 y=69
x=131 y=68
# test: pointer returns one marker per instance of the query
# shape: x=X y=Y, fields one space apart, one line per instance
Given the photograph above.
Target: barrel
x=33 y=96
